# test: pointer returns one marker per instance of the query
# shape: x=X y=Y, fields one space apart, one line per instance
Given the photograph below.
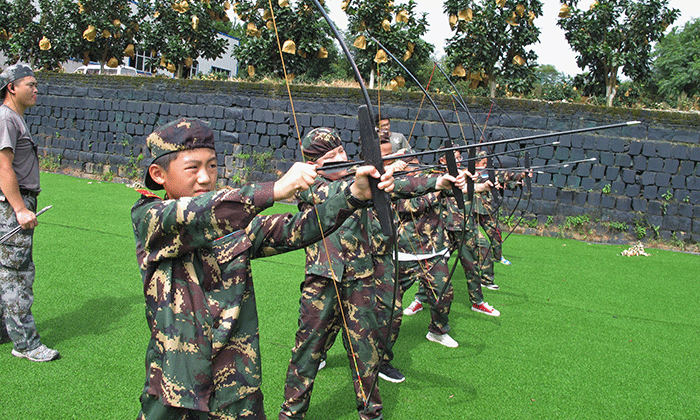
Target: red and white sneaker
x=413 y=308
x=485 y=308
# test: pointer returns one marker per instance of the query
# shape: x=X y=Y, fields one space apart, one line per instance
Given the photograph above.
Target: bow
x=449 y=153
x=372 y=154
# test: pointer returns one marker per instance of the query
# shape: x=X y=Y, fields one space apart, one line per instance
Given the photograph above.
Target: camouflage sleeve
x=171 y=228
x=413 y=186
x=280 y=233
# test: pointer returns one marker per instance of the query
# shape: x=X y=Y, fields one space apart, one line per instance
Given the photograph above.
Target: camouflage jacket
x=453 y=216
x=347 y=253
x=194 y=256
x=420 y=229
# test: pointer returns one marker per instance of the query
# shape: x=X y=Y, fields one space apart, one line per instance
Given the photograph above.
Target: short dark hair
x=165 y=160
x=380 y=117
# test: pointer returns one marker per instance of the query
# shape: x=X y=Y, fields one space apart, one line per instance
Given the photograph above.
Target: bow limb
x=529 y=199
x=368 y=136
x=449 y=154
x=382 y=204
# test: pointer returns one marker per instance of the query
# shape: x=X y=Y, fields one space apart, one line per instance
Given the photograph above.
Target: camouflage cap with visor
x=176 y=136
x=14 y=72
x=319 y=141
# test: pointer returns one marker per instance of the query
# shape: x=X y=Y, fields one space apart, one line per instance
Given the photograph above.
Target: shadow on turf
x=96 y=316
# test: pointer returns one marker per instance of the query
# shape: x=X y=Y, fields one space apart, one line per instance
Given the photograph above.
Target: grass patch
x=584 y=333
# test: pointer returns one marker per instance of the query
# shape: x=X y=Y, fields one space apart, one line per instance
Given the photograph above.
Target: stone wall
x=646 y=176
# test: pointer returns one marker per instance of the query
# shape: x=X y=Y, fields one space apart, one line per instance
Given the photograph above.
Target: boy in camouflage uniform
x=194 y=250
x=19 y=182
x=464 y=238
x=338 y=293
x=423 y=245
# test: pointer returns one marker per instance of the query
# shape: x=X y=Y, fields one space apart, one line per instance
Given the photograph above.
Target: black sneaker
x=390 y=373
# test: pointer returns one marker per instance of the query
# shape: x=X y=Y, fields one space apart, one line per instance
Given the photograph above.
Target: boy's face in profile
x=192 y=173
x=336 y=155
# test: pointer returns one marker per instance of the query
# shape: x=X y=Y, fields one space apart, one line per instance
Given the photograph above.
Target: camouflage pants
x=320 y=319
x=431 y=275
x=17 y=280
x=489 y=223
x=248 y=408
x=472 y=250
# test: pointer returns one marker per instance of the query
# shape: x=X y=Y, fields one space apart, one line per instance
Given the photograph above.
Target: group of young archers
x=194 y=248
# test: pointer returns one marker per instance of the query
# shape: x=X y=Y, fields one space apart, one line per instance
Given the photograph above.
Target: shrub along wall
x=645 y=181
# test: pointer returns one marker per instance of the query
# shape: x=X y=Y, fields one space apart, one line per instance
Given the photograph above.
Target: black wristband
x=354 y=201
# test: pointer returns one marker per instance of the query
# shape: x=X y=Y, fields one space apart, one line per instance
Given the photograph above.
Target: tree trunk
x=492 y=87
x=610 y=88
x=371 y=79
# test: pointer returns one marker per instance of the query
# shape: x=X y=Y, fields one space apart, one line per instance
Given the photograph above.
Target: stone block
x=598 y=172
x=587 y=184
x=694 y=154
x=607 y=159
x=663 y=180
x=654 y=208
x=607 y=201
x=649 y=149
x=686 y=168
x=678 y=181
x=623 y=160
x=693 y=183
x=685 y=210
x=583 y=169
x=632 y=190
x=594 y=199
x=671 y=166
x=655 y=164
x=544 y=178
x=651 y=192
x=639 y=204
x=549 y=194
x=617 y=187
x=573 y=181
x=675 y=223
x=617 y=145
x=629 y=176
x=664 y=150
x=611 y=173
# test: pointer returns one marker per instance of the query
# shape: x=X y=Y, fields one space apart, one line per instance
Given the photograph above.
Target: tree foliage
x=304 y=37
x=490 y=42
x=41 y=44
x=614 y=35
x=677 y=61
x=179 y=32
x=394 y=25
x=107 y=29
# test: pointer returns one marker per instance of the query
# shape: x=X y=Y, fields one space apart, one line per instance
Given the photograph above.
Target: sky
x=552 y=49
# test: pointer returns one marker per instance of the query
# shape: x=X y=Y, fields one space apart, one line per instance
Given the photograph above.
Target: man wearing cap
x=19 y=182
x=194 y=249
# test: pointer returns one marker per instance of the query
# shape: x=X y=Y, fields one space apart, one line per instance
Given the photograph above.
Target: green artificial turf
x=584 y=333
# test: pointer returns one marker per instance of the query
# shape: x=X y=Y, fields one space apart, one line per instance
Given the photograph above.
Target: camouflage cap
x=14 y=72
x=482 y=154
x=176 y=136
x=319 y=141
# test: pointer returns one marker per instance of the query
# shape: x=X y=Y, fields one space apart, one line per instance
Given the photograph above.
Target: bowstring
x=314 y=199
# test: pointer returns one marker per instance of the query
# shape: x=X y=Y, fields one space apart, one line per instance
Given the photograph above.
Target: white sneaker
x=443 y=339
x=322 y=364
x=39 y=354
x=413 y=308
x=504 y=261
